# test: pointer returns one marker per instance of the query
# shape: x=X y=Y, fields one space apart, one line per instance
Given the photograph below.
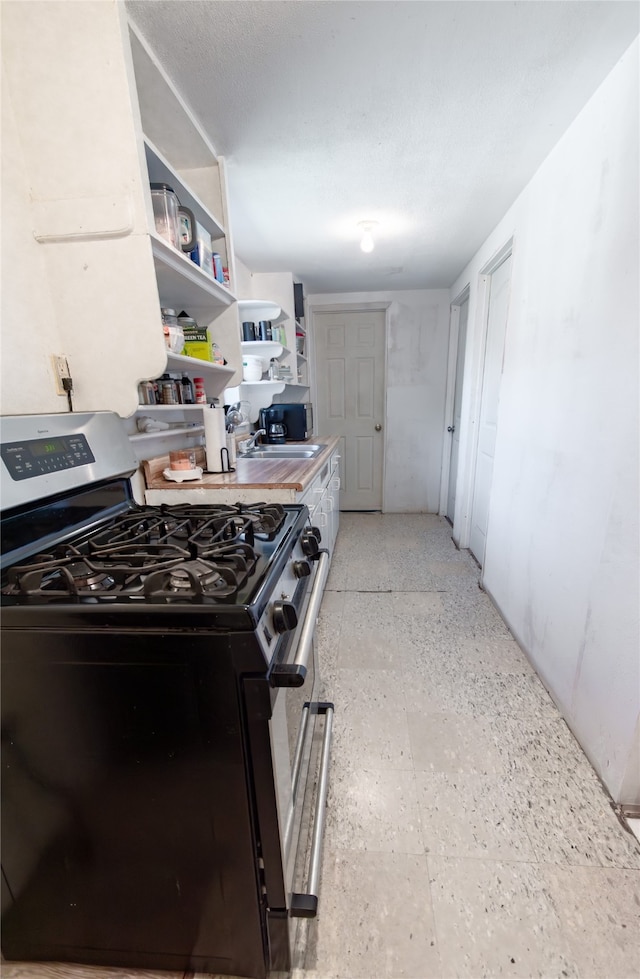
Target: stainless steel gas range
x=158 y=714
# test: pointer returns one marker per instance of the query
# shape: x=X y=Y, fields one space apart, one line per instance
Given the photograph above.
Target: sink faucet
x=249 y=443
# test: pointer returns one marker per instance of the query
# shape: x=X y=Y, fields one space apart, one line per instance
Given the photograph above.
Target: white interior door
x=350 y=350
x=492 y=373
x=463 y=316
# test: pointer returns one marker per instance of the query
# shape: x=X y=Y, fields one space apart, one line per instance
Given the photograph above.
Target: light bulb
x=367 y=243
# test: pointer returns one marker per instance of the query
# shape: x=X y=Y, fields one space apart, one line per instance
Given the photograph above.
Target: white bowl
x=252 y=368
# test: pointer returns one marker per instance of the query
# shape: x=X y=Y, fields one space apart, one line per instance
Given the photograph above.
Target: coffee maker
x=297 y=420
x=272 y=420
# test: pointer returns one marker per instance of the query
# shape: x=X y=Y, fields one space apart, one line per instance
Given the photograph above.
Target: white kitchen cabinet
x=322 y=499
x=177 y=152
x=278 y=287
x=87 y=274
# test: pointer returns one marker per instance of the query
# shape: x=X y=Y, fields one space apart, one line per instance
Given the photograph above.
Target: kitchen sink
x=307 y=451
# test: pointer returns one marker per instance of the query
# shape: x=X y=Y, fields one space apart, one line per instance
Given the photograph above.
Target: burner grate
x=155 y=554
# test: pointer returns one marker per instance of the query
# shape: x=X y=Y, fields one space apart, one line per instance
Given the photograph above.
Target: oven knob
x=301 y=569
x=309 y=544
x=284 y=616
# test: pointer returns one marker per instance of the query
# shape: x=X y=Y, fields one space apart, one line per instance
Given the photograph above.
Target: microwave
x=296 y=418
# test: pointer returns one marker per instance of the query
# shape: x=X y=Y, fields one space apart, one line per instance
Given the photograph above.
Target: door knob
x=451 y=428
x=378 y=428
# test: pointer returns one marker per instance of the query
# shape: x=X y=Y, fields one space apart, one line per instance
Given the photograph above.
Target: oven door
x=300 y=756
x=290 y=763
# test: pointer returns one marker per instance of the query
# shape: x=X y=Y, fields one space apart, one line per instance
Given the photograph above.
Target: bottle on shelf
x=146 y=393
x=188 y=394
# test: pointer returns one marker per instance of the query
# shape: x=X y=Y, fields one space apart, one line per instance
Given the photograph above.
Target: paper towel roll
x=215 y=440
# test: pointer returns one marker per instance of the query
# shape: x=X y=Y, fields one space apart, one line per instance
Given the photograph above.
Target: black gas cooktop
x=168 y=554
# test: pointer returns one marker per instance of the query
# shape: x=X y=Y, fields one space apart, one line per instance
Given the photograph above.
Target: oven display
x=39 y=457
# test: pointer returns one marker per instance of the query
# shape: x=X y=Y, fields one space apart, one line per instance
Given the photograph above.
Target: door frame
x=452 y=365
x=382 y=306
x=472 y=393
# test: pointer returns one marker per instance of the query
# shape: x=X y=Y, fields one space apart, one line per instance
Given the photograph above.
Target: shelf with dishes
x=254 y=310
x=177 y=154
x=266 y=350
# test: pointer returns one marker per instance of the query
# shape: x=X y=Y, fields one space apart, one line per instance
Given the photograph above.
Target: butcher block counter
x=254 y=480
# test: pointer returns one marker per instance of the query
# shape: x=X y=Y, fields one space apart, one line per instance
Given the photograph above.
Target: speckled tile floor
x=466 y=833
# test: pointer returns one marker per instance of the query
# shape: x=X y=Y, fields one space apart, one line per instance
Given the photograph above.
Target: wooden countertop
x=259 y=474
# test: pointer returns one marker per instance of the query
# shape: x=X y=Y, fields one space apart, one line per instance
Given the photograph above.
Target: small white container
x=252 y=368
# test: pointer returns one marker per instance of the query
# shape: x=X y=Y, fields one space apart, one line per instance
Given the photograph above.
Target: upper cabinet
x=86 y=273
x=269 y=296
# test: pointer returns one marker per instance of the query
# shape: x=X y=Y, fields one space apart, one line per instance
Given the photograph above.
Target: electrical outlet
x=60 y=370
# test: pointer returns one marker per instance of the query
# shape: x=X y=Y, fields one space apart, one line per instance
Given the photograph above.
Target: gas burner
x=59 y=577
x=192 y=581
x=85 y=577
x=180 y=579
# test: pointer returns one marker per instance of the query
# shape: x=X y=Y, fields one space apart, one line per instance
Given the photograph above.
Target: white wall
x=417 y=342
x=562 y=545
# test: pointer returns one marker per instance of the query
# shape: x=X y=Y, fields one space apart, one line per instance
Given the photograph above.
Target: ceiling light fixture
x=367 y=243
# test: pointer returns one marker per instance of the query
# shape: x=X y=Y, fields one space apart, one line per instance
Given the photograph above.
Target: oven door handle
x=305 y=905
x=305 y=641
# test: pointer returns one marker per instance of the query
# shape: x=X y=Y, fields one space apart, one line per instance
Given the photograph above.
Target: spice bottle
x=188 y=397
x=146 y=393
x=200 y=393
x=168 y=393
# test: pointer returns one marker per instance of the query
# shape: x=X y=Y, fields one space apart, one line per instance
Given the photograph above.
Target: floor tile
x=372 y=810
x=479 y=694
x=496 y=919
x=454 y=743
x=539 y=746
x=371 y=739
x=473 y=816
x=368 y=691
x=375 y=919
x=472 y=614
x=368 y=638
x=570 y=821
x=446 y=654
x=599 y=913
x=490 y=655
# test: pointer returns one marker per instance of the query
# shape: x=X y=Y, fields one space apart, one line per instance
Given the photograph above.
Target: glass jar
x=165 y=213
x=173 y=333
x=182 y=459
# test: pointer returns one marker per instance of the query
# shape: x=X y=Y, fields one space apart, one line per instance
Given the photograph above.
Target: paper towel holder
x=225 y=462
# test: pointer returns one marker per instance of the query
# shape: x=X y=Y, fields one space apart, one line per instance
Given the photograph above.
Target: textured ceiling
x=428 y=117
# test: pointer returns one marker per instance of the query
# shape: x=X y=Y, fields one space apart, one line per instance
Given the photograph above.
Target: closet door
x=492 y=375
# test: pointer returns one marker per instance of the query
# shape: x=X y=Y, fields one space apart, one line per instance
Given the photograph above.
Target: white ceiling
x=426 y=116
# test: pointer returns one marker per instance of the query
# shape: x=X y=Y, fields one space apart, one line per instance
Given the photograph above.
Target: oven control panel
x=39 y=457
